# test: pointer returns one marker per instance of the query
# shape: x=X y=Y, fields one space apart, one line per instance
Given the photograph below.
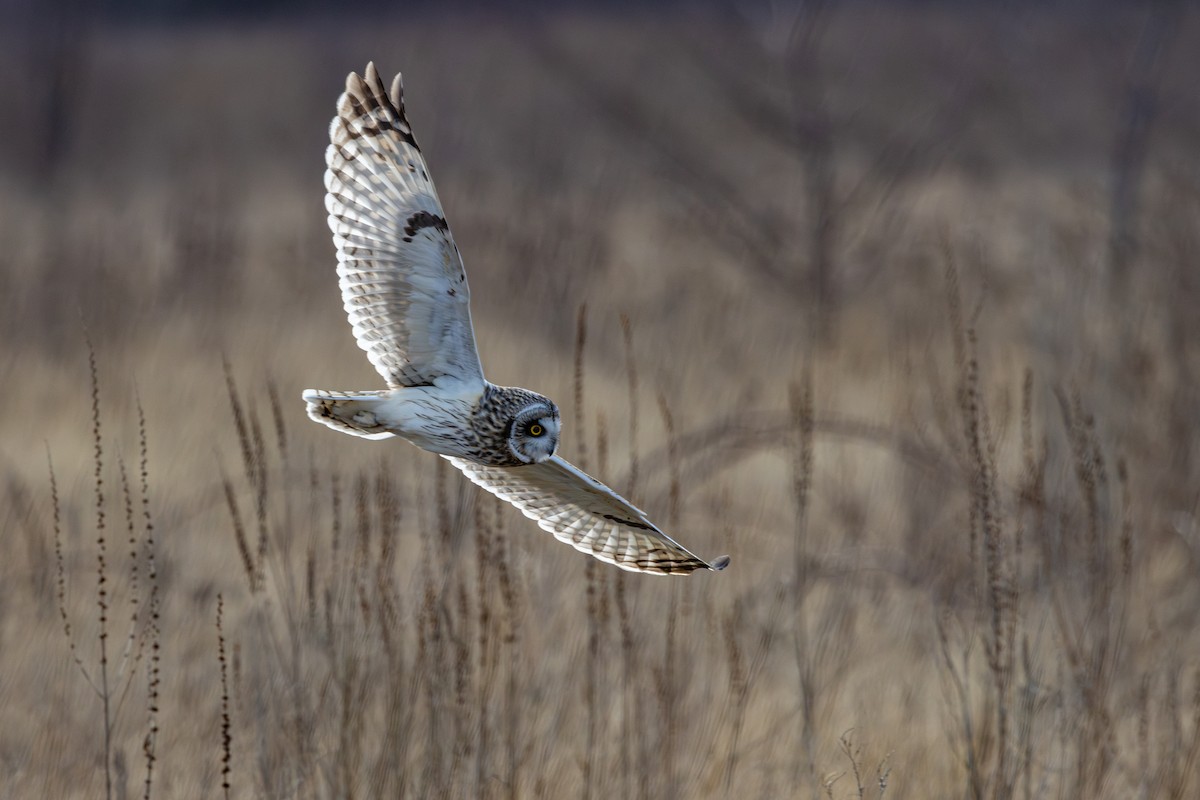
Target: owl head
x=533 y=436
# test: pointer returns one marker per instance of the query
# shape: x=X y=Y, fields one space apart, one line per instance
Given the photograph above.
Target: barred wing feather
x=587 y=515
x=402 y=279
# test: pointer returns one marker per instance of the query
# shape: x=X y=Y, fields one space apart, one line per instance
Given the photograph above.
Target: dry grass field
x=895 y=304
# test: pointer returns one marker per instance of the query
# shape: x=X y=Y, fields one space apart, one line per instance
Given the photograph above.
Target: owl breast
x=474 y=426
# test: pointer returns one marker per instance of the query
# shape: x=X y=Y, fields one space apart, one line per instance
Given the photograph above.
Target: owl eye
x=536 y=430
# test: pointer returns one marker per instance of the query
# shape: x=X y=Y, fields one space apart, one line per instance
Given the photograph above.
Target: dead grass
x=962 y=509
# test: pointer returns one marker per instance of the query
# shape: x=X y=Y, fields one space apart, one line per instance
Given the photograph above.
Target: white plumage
x=405 y=293
x=403 y=283
x=586 y=514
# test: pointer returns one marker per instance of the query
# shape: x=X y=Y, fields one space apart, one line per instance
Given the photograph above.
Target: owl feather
x=405 y=293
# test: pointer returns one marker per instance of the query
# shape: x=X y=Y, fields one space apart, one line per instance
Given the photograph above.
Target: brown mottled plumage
x=405 y=293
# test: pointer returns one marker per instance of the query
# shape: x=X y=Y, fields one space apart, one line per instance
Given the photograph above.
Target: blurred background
x=897 y=303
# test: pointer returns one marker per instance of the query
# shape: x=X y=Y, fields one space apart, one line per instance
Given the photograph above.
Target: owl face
x=534 y=433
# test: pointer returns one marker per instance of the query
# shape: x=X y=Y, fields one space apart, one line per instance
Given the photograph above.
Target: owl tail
x=349 y=413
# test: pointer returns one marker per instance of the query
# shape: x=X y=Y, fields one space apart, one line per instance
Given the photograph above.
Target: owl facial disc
x=534 y=434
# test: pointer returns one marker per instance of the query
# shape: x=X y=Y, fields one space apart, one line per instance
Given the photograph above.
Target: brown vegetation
x=896 y=305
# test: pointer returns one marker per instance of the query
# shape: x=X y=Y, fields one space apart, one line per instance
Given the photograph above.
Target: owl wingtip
x=719 y=563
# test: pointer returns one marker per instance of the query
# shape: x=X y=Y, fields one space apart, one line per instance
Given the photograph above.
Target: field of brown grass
x=895 y=304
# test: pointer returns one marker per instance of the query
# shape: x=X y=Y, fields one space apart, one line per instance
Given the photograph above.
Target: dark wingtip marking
x=368 y=94
x=719 y=563
x=421 y=220
x=631 y=523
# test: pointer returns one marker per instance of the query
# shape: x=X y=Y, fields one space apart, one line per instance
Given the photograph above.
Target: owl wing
x=402 y=279
x=587 y=515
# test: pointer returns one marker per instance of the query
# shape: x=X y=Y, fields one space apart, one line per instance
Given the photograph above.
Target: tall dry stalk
x=637 y=703
x=669 y=679
x=226 y=724
x=113 y=679
x=101 y=568
x=594 y=757
x=153 y=607
x=801 y=402
x=994 y=551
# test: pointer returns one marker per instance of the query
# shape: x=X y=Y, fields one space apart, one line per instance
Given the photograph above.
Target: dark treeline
x=16 y=11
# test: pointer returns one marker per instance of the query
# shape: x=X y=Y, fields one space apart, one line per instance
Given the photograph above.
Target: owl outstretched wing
x=402 y=279
x=587 y=515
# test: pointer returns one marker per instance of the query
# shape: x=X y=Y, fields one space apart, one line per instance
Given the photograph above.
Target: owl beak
x=548 y=452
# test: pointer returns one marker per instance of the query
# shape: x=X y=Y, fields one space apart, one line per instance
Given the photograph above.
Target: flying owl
x=405 y=292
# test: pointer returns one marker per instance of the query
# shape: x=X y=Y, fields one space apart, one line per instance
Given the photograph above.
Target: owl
x=405 y=292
